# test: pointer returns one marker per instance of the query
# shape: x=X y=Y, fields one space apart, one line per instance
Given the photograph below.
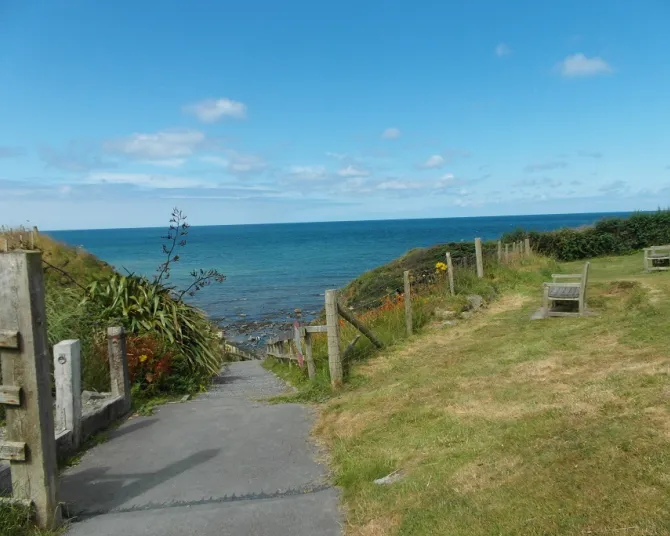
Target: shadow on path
x=113 y=490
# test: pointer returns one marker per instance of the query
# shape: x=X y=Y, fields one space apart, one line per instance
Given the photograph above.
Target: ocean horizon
x=273 y=269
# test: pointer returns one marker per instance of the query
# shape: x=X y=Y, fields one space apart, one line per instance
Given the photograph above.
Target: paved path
x=222 y=464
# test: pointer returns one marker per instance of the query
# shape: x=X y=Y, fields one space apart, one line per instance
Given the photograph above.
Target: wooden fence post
x=118 y=365
x=4 y=244
x=527 y=241
x=309 y=358
x=334 y=357
x=499 y=251
x=24 y=352
x=408 y=303
x=67 y=376
x=515 y=246
x=506 y=252
x=450 y=270
x=480 y=260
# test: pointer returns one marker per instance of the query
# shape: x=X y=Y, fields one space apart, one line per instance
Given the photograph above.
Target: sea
x=273 y=269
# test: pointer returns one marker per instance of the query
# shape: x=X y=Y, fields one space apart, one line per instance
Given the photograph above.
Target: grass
x=501 y=425
x=16 y=520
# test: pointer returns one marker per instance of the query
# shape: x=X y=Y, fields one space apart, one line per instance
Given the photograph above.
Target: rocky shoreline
x=250 y=334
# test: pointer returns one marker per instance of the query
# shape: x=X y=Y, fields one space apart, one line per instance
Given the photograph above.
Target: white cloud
x=213 y=110
x=337 y=156
x=502 y=50
x=434 y=162
x=162 y=145
x=578 y=65
x=353 y=171
x=217 y=160
x=396 y=184
x=171 y=162
x=307 y=173
x=146 y=180
x=243 y=163
x=446 y=181
x=391 y=134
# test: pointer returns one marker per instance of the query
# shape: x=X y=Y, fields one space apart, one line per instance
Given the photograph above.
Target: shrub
x=609 y=236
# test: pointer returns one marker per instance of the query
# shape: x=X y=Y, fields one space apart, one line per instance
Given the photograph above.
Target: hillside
x=502 y=425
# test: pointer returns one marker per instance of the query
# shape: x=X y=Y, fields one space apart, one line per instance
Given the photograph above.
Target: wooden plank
x=315 y=329
x=9 y=339
x=311 y=368
x=566 y=276
x=346 y=314
x=13 y=450
x=22 y=308
x=479 y=258
x=450 y=269
x=408 y=303
x=10 y=395
x=334 y=356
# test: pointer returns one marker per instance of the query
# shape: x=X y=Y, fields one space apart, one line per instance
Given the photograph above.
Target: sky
x=113 y=113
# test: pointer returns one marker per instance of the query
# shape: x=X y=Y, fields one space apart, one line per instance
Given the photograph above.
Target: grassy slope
x=506 y=426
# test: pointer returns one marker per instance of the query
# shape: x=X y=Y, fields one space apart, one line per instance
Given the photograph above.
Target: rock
x=475 y=302
x=444 y=313
x=297 y=311
x=185 y=398
x=449 y=323
x=390 y=479
x=466 y=314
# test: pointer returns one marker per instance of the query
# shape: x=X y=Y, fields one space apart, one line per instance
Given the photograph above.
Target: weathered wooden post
x=480 y=260
x=4 y=244
x=24 y=350
x=67 y=376
x=499 y=251
x=334 y=356
x=528 y=251
x=309 y=358
x=450 y=270
x=506 y=253
x=408 y=303
x=515 y=245
x=118 y=365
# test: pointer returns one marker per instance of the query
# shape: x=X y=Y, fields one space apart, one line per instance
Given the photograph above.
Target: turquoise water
x=273 y=269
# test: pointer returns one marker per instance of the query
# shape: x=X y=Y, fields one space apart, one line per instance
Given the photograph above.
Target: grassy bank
x=500 y=425
x=386 y=316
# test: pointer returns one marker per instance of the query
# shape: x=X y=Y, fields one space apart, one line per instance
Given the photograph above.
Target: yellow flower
x=143 y=358
x=441 y=267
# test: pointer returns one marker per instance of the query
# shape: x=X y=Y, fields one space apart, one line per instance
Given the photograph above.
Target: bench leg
x=545 y=301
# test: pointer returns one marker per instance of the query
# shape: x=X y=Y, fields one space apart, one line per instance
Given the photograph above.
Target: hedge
x=609 y=236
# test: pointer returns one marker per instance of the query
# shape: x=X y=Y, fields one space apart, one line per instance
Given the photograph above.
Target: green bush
x=609 y=236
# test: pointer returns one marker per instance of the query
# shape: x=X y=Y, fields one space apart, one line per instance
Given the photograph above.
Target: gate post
x=31 y=445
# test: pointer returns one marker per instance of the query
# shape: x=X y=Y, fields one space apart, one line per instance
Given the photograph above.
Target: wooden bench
x=562 y=289
x=657 y=258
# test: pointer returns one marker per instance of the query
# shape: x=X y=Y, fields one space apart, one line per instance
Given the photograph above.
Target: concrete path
x=222 y=464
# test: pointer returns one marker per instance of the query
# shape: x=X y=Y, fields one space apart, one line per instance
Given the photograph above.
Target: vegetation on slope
x=172 y=347
x=500 y=425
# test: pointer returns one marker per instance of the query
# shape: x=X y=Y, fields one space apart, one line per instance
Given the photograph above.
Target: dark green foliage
x=610 y=236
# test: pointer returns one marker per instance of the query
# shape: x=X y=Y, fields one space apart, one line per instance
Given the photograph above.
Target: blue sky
x=111 y=113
